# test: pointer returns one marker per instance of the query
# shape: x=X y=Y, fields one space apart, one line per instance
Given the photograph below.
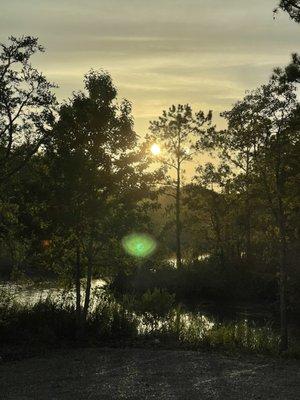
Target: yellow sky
x=159 y=52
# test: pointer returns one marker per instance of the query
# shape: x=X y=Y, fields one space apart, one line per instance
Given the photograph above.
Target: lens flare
x=139 y=245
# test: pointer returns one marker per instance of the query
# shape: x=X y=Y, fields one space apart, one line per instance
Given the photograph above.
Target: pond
x=202 y=314
x=31 y=294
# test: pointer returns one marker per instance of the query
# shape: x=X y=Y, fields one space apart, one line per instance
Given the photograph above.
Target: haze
x=159 y=52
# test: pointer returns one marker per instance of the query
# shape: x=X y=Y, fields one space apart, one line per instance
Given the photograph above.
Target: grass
x=54 y=323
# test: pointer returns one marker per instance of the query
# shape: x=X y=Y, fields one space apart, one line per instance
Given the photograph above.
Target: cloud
x=205 y=52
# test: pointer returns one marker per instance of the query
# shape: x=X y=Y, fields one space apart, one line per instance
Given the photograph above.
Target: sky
x=159 y=52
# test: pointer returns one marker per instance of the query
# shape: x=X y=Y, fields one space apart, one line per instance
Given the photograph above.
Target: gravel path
x=148 y=374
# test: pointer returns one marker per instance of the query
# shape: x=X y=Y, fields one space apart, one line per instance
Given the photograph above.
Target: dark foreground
x=148 y=374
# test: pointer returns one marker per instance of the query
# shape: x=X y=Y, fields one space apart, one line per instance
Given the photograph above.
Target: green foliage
x=230 y=336
x=155 y=305
x=53 y=322
x=133 y=319
x=65 y=209
x=110 y=319
x=205 y=279
x=46 y=321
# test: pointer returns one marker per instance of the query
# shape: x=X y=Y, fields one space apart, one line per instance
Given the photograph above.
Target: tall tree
x=26 y=105
x=238 y=147
x=180 y=132
x=98 y=175
x=213 y=181
x=270 y=116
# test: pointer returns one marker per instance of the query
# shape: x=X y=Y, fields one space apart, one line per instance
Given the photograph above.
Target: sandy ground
x=148 y=374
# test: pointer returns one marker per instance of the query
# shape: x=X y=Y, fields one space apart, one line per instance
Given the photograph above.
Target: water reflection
x=32 y=294
x=200 y=317
x=175 y=322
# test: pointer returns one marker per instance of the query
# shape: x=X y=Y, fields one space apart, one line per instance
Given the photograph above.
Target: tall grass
x=152 y=316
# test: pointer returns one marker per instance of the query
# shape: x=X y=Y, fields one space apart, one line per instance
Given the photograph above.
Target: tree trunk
x=283 y=281
x=88 y=284
x=248 y=230
x=279 y=216
x=215 y=218
x=248 y=213
x=178 y=221
x=280 y=189
x=78 y=288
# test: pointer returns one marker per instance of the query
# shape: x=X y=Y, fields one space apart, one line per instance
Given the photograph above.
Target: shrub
x=111 y=320
x=153 y=308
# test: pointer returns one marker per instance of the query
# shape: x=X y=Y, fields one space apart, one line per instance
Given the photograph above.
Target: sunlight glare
x=155 y=149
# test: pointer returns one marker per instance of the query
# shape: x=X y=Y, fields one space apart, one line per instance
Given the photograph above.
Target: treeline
x=76 y=178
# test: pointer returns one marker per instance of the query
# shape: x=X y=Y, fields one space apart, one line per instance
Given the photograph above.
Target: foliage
x=97 y=171
x=26 y=105
x=65 y=209
x=110 y=319
x=153 y=307
x=180 y=132
x=204 y=279
x=292 y=71
x=55 y=323
x=292 y=7
x=231 y=336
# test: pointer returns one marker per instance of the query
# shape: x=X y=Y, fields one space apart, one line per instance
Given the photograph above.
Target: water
x=31 y=294
x=208 y=314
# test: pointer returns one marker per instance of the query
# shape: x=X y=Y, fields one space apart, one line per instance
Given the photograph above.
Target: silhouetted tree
x=292 y=71
x=98 y=174
x=238 y=147
x=180 y=133
x=26 y=105
x=213 y=180
x=269 y=118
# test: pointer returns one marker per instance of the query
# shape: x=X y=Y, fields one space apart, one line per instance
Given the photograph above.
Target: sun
x=155 y=149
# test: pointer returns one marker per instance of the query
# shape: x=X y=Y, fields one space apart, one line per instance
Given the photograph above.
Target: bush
x=53 y=322
x=152 y=308
x=204 y=279
x=45 y=321
x=197 y=331
x=152 y=314
x=111 y=320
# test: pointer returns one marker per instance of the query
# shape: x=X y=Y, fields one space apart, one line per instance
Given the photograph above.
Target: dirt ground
x=106 y=373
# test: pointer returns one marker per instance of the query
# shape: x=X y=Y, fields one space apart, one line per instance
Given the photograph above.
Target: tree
x=238 y=146
x=292 y=7
x=26 y=105
x=98 y=176
x=292 y=71
x=270 y=117
x=180 y=133
x=213 y=180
